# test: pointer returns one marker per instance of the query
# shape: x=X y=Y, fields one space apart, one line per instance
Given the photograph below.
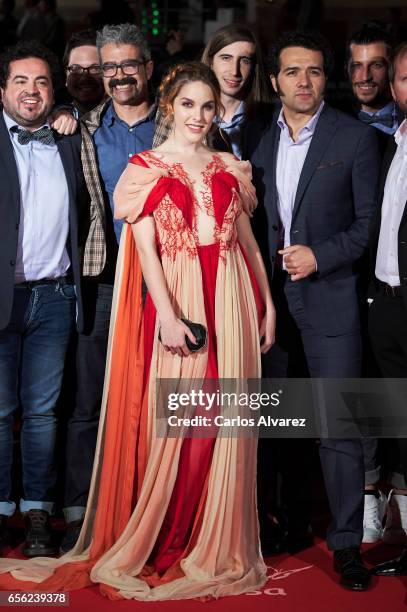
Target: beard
x=402 y=106
x=380 y=96
x=85 y=89
x=28 y=118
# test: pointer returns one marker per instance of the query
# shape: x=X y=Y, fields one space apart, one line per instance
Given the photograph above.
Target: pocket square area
x=330 y=164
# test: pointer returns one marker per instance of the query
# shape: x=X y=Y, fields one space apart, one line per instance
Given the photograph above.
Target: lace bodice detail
x=187 y=215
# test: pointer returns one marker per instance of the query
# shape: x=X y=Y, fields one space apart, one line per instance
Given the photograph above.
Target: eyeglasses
x=129 y=67
x=94 y=69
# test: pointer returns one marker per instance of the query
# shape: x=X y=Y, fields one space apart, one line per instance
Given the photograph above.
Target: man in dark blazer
x=315 y=172
x=388 y=292
x=369 y=51
x=43 y=200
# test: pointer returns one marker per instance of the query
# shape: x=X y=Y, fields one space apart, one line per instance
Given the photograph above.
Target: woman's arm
x=172 y=329
x=251 y=248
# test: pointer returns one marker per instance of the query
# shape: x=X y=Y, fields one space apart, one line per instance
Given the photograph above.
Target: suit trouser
x=285 y=491
x=341 y=460
x=372 y=451
x=388 y=333
x=84 y=421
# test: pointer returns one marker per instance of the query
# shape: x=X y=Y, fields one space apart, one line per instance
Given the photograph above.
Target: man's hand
x=63 y=122
x=299 y=261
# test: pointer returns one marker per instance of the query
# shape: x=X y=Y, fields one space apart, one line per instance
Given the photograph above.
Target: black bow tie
x=43 y=135
x=387 y=120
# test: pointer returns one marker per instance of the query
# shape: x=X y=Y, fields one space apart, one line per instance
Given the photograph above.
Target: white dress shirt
x=44 y=214
x=394 y=201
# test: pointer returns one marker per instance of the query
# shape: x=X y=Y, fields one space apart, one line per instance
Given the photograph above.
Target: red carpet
x=304 y=582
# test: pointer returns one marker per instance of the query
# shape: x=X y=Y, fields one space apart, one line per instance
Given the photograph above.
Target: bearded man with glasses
x=83 y=72
x=120 y=126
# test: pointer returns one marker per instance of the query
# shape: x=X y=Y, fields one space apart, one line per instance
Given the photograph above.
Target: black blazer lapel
x=271 y=177
x=386 y=163
x=324 y=131
x=7 y=156
x=377 y=216
x=66 y=155
x=65 y=152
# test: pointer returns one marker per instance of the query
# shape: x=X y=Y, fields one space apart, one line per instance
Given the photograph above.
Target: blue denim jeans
x=32 y=355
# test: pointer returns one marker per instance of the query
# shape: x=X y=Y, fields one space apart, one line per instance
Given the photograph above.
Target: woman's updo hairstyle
x=181 y=75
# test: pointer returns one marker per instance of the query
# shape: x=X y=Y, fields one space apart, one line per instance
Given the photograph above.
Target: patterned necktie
x=386 y=120
x=43 y=135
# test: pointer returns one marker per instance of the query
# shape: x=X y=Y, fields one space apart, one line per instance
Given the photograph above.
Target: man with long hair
x=234 y=54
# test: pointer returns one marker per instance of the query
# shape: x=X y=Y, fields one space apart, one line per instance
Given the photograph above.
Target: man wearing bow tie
x=368 y=57
x=42 y=198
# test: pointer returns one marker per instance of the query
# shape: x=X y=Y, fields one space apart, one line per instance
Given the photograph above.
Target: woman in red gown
x=174 y=517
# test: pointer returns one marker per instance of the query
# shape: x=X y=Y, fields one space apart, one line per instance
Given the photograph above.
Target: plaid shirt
x=94 y=259
x=162 y=129
x=95 y=248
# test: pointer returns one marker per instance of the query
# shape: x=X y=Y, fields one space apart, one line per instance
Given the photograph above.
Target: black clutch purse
x=199 y=332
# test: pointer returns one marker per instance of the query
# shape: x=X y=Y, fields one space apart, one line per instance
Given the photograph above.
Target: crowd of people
x=237 y=199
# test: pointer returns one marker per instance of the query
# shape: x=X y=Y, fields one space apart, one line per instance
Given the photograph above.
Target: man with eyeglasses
x=120 y=126
x=83 y=72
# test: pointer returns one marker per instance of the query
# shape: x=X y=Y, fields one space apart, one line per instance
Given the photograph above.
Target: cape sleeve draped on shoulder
x=138 y=190
x=242 y=170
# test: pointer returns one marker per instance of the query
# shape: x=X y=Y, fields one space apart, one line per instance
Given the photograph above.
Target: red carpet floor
x=304 y=582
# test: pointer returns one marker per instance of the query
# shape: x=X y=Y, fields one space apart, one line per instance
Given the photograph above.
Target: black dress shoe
x=278 y=537
x=298 y=540
x=395 y=567
x=354 y=575
x=71 y=536
x=273 y=534
x=4 y=533
x=38 y=535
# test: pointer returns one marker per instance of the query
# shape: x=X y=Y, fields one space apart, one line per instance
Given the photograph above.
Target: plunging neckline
x=177 y=170
x=214 y=204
